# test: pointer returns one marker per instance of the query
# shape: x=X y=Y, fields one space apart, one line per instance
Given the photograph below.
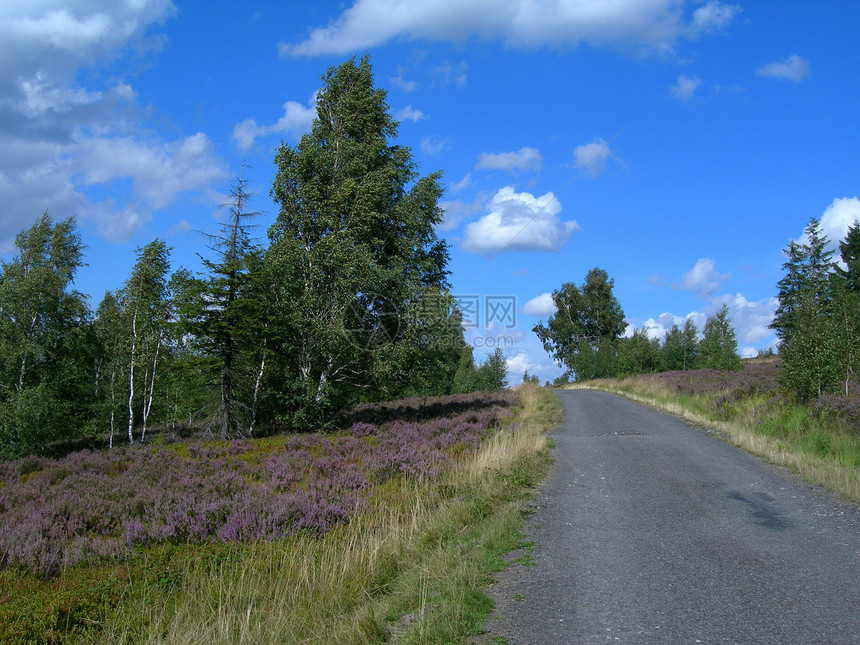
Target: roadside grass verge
x=746 y=409
x=408 y=570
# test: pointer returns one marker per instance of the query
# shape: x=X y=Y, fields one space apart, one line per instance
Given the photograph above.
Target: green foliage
x=719 y=347
x=824 y=350
x=680 y=347
x=581 y=333
x=354 y=252
x=530 y=378
x=639 y=354
x=818 y=319
x=490 y=376
x=849 y=249
x=224 y=313
x=46 y=345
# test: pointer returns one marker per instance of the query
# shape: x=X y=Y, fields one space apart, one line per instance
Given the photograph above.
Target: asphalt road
x=650 y=531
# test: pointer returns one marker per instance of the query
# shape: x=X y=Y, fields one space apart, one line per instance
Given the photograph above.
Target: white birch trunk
x=131 y=379
x=147 y=406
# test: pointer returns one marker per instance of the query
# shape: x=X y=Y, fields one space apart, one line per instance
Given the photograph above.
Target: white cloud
x=525 y=159
x=433 y=146
x=655 y=24
x=296 y=120
x=449 y=74
x=66 y=140
x=793 y=68
x=456 y=210
x=519 y=222
x=685 y=87
x=542 y=306
x=408 y=114
x=159 y=172
x=657 y=327
x=836 y=219
x=524 y=360
x=464 y=183
x=403 y=84
x=592 y=156
x=713 y=15
x=703 y=278
x=751 y=320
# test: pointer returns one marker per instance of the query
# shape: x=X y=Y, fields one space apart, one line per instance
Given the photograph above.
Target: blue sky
x=678 y=145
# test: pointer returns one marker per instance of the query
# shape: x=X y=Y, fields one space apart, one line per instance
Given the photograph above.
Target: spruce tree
x=849 y=249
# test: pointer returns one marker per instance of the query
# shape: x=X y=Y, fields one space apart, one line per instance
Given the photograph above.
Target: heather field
x=819 y=439
x=296 y=538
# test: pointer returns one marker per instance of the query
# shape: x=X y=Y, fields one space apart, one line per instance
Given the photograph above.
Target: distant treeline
x=817 y=322
x=585 y=335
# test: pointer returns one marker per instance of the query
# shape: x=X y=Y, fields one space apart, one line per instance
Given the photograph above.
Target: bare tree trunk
x=131 y=379
x=112 y=405
x=257 y=382
x=147 y=406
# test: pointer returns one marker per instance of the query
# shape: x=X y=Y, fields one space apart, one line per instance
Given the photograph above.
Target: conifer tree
x=850 y=252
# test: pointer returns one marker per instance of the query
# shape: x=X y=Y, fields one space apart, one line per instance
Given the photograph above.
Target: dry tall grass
x=406 y=571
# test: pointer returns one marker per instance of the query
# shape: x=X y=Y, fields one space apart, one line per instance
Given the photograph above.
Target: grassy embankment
x=408 y=570
x=820 y=441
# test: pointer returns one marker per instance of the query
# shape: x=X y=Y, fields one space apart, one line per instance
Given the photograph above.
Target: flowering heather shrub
x=757 y=378
x=844 y=407
x=420 y=408
x=57 y=513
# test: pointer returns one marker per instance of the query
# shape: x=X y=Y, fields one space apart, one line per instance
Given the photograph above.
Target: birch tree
x=145 y=306
x=352 y=248
x=45 y=372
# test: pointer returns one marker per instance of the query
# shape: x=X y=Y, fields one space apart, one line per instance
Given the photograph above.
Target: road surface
x=650 y=531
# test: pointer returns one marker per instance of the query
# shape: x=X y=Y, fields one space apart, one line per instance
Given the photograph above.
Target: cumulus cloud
x=408 y=114
x=159 y=172
x=835 y=220
x=751 y=320
x=703 y=278
x=456 y=210
x=657 y=24
x=296 y=120
x=657 y=327
x=541 y=306
x=525 y=159
x=793 y=68
x=837 y=217
x=403 y=84
x=464 y=183
x=714 y=15
x=685 y=87
x=592 y=156
x=66 y=141
x=519 y=222
x=432 y=146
